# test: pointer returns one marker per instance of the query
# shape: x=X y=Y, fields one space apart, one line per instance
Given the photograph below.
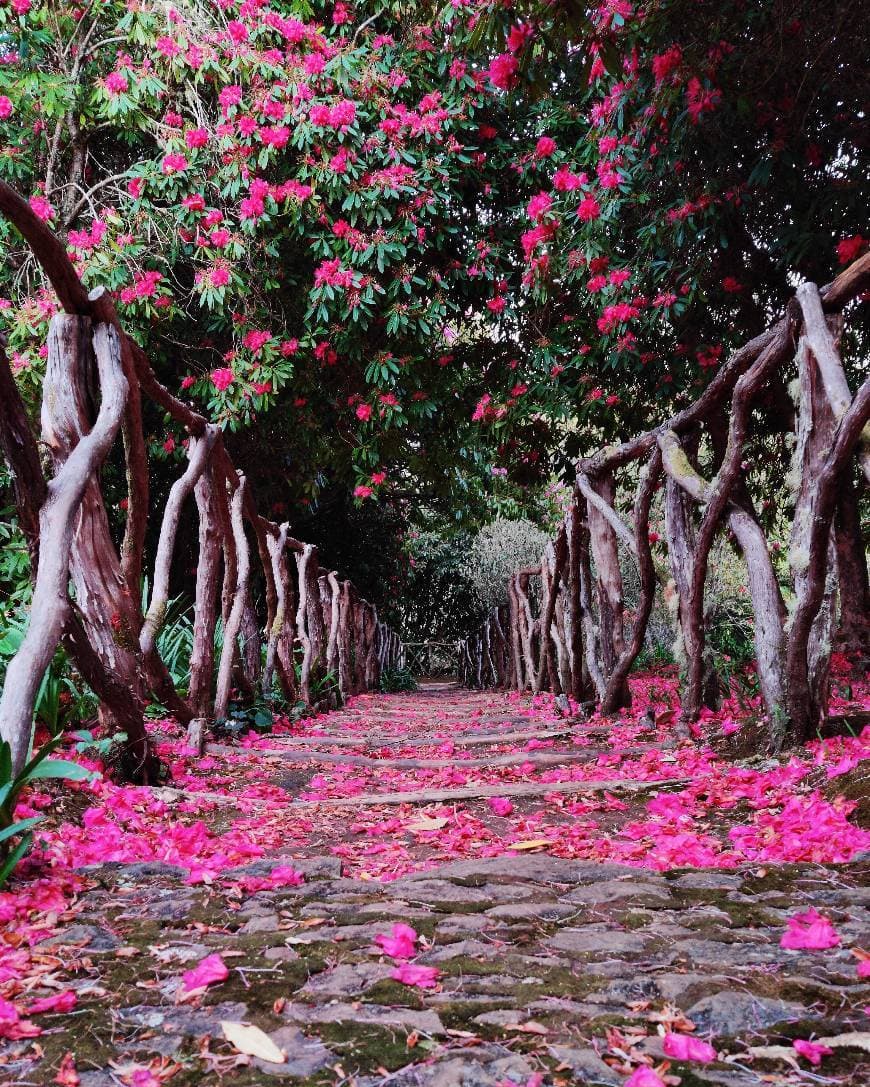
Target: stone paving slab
x=548 y=967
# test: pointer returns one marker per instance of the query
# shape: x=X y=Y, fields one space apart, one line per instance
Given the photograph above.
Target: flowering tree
x=489 y=227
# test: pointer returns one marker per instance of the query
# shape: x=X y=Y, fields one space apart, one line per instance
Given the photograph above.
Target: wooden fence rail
x=577 y=641
x=311 y=617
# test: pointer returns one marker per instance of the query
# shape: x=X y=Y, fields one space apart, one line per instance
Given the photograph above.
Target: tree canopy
x=430 y=255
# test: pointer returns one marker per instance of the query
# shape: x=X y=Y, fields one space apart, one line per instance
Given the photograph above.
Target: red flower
x=849 y=248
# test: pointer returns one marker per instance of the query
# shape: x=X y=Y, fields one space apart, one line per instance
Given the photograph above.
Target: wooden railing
x=431 y=658
x=577 y=640
x=311 y=617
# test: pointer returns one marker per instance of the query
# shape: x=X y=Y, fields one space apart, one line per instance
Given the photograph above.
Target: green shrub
x=397 y=679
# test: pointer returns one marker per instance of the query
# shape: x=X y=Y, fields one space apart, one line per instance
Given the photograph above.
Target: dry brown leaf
x=528 y=1028
x=530 y=843
x=252 y=1041
x=425 y=823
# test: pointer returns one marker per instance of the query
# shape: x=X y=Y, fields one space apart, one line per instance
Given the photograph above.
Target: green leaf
x=61 y=769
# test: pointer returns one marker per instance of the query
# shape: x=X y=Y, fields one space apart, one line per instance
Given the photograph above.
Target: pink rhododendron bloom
x=665 y=64
x=501 y=805
x=502 y=71
x=285 y=875
x=539 y=206
x=173 y=163
x=222 y=379
x=644 y=1077
x=12 y=1026
x=812 y=1051
x=210 y=971
x=42 y=208
x=6 y=107
x=196 y=137
x=545 y=147
x=422 y=977
x=809 y=931
x=364 y=412
x=683 y=1047
x=401 y=944
x=362 y=491
x=482 y=407
x=588 y=209
x=116 y=83
x=60 y=1002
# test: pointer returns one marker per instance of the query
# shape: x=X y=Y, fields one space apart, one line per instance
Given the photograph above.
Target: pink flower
x=566 y=181
x=482 y=408
x=378 y=478
x=644 y=1077
x=362 y=491
x=545 y=147
x=222 y=379
x=285 y=876
x=502 y=71
x=210 y=971
x=219 y=276
x=401 y=944
x=812 y=1051
x=142 y=1077
x=256 y=339
x=539 y=206
x=60 y=1002
x=42 y=208
x=501 y=805
x=342 y=114
x=683 y=1047
x=423 y=977
x=364 y=412
x=116 y=83
x=809 y=931
x=588 y=209
x=666 y=63
x=6 y=107
x=196 y=137
x=173 y=163
x=12 y=1026
x=230 y=96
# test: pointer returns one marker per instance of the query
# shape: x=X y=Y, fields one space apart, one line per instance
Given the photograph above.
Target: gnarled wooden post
x=233 y=622
x=614 y=696
x=276 y=546
x=77 y=456
x=199 y=695
x=803 y=700
x=600 y=494
x=198 y=453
